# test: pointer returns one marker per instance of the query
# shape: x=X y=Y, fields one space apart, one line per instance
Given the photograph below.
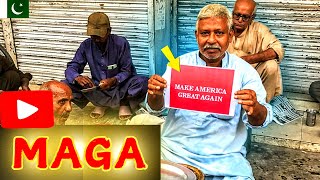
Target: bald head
x=248 y=4
x=62 y=96
x=242 y=15
x=55 y=86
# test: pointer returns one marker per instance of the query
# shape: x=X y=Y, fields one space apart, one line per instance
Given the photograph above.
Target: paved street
x=279 y=163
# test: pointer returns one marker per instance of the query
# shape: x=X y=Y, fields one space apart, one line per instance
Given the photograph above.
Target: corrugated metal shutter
x=1 y=35
x=47 y=40
x=296 y=23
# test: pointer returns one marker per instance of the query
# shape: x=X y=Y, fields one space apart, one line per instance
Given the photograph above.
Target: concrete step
x=296 y=134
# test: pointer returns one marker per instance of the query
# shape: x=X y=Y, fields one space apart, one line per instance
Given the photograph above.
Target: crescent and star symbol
x=14 y=11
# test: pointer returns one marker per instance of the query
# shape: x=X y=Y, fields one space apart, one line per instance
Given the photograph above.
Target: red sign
x=26 y=109
x=203 y=89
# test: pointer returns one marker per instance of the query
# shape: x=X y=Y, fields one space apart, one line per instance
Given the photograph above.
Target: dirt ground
x=280 y=163
x=268 y=162
x=82 y=117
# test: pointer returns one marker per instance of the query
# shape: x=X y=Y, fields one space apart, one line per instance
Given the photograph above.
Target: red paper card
x=204 y=89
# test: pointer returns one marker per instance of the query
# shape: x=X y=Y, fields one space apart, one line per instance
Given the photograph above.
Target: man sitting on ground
x=11 y=78
x=210 y=142
x=109 y=59
x=255 y=43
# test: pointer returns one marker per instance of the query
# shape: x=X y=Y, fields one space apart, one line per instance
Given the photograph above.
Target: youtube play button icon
x=26 y=109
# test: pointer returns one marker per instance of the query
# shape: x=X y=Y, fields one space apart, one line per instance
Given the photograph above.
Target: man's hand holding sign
x=255 y=111
x=156 y=85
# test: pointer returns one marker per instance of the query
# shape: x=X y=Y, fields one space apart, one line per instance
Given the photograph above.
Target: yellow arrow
x=174 y=63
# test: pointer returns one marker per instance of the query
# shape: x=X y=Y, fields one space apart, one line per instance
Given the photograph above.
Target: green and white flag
x=14 y=8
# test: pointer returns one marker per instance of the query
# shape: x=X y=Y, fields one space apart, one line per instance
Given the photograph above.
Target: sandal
x=124 y=113
x=98 y=112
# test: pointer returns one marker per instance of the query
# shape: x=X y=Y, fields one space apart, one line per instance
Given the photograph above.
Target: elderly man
x=213 y=143
x=11 y=78
x=112 y=71
x=62 y=96
x=255 y=43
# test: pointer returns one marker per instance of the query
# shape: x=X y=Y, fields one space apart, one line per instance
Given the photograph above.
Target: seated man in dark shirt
x=112 y=71
x=12 y=78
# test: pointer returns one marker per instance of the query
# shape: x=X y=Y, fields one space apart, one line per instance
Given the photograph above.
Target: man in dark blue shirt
x=112 y=71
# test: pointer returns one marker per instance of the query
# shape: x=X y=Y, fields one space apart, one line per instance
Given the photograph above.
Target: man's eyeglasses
x=237 y=16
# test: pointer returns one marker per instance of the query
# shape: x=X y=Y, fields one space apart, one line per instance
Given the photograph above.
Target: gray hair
x=214 y=10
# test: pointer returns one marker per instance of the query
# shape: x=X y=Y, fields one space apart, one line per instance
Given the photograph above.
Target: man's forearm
x=156 y=102
x=261 y=57
x=259 y=115
x=122 y=76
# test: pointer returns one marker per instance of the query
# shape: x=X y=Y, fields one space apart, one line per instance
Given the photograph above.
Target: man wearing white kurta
x=213 y=143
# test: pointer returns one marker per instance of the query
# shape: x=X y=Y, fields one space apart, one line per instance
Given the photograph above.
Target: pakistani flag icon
x=14 y=9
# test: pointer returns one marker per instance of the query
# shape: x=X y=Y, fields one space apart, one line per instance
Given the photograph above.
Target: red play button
x=26 y=109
